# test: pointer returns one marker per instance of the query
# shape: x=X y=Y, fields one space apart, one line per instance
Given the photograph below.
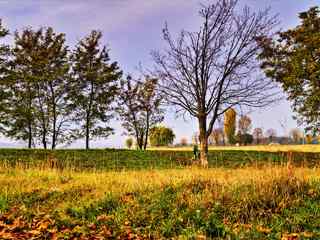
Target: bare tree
x=258 y=135
x=139 y=108
x=296 y=135
x=244 y=124
x=207 y=72
x=271 y=134
x=216 y=136
x=195 y=138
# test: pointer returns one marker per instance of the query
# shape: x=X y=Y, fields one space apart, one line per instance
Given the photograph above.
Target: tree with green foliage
x=140 y=107
x=244 y=138
x=38 y=78
x=94 y=88
x=230 y=125
x=56 y=86
x=292 y=59
x=19 y=118
x=5 y=92
x=161 y=136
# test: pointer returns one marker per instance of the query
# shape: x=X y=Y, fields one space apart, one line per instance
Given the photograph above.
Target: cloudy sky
x=132 y=29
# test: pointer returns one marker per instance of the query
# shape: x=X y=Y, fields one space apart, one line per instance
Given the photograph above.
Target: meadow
x=191 y=203
x=77 y=194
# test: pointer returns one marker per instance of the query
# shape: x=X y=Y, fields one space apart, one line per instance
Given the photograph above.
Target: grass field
x=120 y=159
x=189 y=203
x=247 y=193
x=268 y=148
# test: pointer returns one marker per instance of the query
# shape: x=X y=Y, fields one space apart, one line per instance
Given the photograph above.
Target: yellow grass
x=17 y=181
x=54 y=193
x=269 y=148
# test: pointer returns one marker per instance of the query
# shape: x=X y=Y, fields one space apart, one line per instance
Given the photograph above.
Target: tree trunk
x=140 y=141
x=29 y=136
x=204 y=152
x=44 y=140
x=53 y=146
x=147 y=133
x=54 y=116
x=88 y=114
x=44 y=132
x=54 y=130
x=87 y=135
x=137 y=140
x=203 y=141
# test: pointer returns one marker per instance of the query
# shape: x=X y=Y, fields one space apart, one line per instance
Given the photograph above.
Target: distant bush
x=184 y=141
x=161 y=136
x=129 y=143
x=309 y=139
x=244 y=139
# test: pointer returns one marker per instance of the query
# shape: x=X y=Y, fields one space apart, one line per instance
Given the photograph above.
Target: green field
x=113 y=159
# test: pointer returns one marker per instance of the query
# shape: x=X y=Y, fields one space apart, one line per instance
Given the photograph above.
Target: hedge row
x=112 y=159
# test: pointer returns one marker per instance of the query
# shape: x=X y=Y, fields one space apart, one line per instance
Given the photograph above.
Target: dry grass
x=191 y=203
x=17 y=181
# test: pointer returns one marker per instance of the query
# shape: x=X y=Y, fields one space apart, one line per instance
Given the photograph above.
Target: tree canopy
x=94 y=88
x=292 y=59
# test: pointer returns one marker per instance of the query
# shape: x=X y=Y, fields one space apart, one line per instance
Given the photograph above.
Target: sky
x=131 y=30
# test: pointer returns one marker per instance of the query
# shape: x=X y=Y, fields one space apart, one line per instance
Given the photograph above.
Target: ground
x=190 y=203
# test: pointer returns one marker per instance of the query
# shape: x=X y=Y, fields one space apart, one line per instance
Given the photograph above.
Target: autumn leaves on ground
x=191 y=203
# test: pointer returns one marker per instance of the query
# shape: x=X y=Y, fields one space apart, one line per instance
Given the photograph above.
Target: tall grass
x=248 y=203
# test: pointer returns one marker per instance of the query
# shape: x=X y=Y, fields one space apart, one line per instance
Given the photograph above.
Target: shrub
x=184 y=141
x=129 y=143
x=161 y=136
x=244 y=139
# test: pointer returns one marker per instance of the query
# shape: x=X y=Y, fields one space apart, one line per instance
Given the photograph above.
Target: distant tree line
x=233 y=132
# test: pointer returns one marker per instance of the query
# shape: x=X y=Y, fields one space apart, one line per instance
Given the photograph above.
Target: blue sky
x=132 y=29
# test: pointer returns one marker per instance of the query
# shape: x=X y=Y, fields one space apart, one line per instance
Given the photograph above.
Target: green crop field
x=117 y=159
